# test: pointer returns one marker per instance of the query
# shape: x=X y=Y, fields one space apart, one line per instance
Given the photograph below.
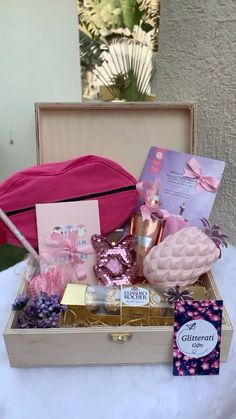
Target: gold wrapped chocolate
x=112 y=301
x=129 y=304
x=91 y=300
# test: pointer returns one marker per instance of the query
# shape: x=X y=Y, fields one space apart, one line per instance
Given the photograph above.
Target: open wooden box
x=123 y=132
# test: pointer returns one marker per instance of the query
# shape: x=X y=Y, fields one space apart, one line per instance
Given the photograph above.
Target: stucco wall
x=197 y=61
x=39 y=56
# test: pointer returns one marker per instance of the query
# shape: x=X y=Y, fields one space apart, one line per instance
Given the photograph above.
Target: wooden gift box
x=123 y=132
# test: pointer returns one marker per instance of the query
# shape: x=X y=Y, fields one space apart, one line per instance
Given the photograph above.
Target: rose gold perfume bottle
x=148 y=234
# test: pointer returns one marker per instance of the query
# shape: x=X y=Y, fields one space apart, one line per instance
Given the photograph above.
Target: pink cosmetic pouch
x=86 y=177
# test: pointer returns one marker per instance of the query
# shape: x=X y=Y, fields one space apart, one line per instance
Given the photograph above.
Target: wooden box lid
x=123 y=132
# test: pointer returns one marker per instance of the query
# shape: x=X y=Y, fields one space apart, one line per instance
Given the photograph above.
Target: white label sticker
x=197 y=338
x=159 y=155
x=134 y=296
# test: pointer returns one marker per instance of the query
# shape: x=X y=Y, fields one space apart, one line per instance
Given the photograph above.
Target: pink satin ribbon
x=64 y=246
x=194 y=171
x=148 y=192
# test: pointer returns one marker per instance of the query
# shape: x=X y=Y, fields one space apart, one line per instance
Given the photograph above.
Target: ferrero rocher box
x=65 y=131
x=162 y=313
x=136 y=305
x=89 y=305
x=134 y=302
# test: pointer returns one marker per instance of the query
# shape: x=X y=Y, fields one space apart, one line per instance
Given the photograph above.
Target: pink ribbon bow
x=148 y=192
x=194 y=171
x=173 y=222
x=68 y=247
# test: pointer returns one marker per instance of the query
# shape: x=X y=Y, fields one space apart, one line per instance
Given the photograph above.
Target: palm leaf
x=150 y=19
x=127 y=67
x=90 y=52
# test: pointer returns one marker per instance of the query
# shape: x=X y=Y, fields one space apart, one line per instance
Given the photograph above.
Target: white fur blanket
x=116 y=392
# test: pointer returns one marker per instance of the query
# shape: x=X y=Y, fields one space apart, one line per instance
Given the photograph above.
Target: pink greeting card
x=64 y=235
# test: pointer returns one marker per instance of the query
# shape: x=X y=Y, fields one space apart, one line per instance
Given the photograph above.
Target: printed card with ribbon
x=197 y=337
x=64 y=235
x=187 y=184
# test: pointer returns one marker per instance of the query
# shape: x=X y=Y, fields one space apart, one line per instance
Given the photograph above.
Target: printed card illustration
x=64 y=235
x=197 y=337
x=188 y=184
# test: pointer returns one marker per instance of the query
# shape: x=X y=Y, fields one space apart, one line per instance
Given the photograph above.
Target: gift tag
x=197 y=336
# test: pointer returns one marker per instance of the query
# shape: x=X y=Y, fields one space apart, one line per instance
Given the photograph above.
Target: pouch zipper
x=80 y=198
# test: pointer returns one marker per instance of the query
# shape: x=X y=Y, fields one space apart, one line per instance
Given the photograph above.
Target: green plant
x=108 y=19
x=91 y=50
x=127 y=69
x=131 y=13
x=98 y=17
x=150 y=19
x=126 y=86
x=128 y=27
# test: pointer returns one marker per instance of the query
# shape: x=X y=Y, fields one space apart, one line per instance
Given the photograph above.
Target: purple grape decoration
x=20 y=302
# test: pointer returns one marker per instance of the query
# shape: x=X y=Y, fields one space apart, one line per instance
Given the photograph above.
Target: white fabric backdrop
x=115 y=392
